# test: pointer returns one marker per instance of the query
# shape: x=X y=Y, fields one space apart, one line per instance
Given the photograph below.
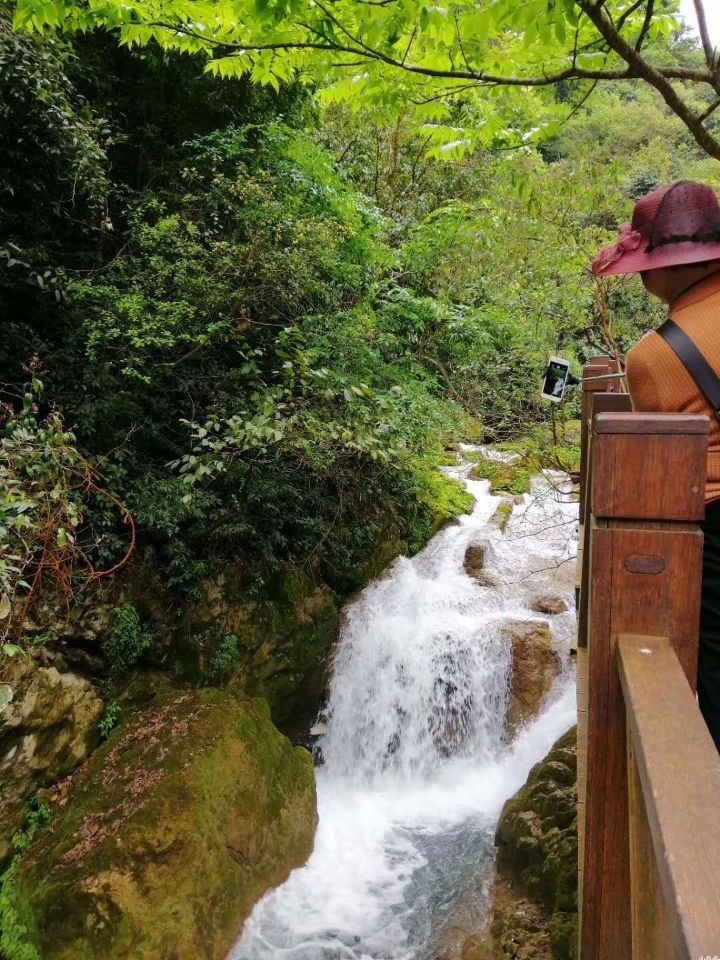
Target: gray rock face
x=47 y=730
x=535 y=667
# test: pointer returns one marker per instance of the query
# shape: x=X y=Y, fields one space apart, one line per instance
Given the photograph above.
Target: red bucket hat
x=675 y=225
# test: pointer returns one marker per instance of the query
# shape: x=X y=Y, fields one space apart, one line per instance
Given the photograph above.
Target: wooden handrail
x=644 y=496
x=674 y=821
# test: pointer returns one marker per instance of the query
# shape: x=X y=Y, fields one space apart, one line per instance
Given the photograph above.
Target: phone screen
x=555 y=380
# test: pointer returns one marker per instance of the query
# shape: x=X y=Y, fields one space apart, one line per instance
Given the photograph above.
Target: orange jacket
x=659 y=382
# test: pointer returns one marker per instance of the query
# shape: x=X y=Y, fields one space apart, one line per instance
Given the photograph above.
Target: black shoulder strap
x=694 y=362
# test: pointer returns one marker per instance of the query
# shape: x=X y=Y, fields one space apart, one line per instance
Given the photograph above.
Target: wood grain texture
x=679 y=773
x=630 y=601
x=662 y=424
x=589 y=389
x=598 y=403
x=665 y=472
x=651 y=938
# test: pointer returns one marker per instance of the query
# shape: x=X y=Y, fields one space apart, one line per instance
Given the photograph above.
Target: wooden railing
x=648 y=771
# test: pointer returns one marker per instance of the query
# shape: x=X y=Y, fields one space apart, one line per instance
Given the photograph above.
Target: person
x=673 y=242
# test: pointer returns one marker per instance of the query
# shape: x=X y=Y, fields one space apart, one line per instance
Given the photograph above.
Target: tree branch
x=637 y=67
x=646 y=25
x=710 y=110
x=641 y=68
x=705 y=34
x=692 y=74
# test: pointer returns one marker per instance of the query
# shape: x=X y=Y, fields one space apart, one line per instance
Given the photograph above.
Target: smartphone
x=555 y=379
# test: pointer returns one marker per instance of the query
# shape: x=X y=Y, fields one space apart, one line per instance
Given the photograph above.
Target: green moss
x=564 y=936
x=502 y=515
x=503 y=477
x=443 y=499
x=197 y=777
x=14 y=942
x=537 y=831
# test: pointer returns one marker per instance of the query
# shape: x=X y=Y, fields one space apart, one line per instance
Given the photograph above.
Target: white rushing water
x=416 y=766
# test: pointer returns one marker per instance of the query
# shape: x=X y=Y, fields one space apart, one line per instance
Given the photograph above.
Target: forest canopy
x=473 y=74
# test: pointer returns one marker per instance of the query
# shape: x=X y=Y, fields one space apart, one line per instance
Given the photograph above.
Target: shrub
x=110 y=720
x=224 y=659
x=128 y=640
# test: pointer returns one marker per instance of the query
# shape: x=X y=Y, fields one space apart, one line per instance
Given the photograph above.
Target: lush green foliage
x=225 y=658
x=53 y=175
x=471 y=74
x=282 y=316
x=14 y=943
x=46 y=486
x=110 y=719
x=128 y=641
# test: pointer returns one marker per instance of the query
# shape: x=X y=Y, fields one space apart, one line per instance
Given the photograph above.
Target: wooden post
x=592 y=385
x=598 y=403
x=595 y=368
x=647 y=495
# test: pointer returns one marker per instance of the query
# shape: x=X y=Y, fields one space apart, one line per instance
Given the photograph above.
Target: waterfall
x=416 y=763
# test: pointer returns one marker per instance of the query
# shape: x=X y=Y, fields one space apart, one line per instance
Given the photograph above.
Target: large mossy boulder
x=47 y=730
x=538 y=849
x=533 y=899
x=537 y=832
x=169 y=834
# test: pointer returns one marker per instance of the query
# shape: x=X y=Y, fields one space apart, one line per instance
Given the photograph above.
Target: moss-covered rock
x=537 y=831
x=533 y=900
x=48 y=728
x=502 y=515
x=505 y=477
x=169 y=835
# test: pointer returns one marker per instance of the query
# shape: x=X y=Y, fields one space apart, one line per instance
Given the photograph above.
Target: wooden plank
x=582 y=692
x=594 y=819
x=679 y=773
x=668 y=478
x=668 y=424
x=669 y=603
x=650 y=930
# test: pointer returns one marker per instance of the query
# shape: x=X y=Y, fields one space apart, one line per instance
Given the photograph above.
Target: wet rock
x=537 y=832
x=169 y=835
x=47 y=730
x=535 y=667
x=533 y=901
x=477 y=948
x=487 y=580
x=476 y=555
x=501 y=518
x=548 y=603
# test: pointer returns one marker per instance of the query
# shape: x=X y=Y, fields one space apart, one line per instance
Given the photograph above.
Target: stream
x=416 y=768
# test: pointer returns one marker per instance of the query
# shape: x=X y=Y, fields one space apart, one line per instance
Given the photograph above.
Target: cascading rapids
x=416 y=766
x=431 y=685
